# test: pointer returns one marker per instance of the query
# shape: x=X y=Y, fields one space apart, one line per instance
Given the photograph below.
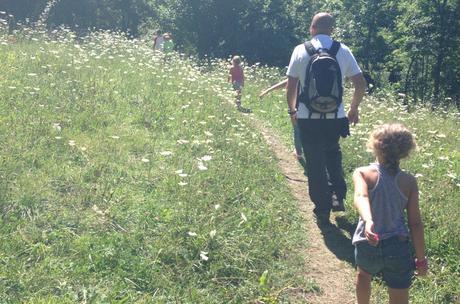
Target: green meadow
x=128 y=177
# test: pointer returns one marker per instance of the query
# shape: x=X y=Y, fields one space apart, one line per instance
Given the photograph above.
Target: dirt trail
x=329 y=252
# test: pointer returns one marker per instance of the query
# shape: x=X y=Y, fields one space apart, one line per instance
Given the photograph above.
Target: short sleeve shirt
x=299 y=61
x=159 y=43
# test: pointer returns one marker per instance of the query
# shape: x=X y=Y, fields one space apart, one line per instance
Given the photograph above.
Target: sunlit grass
x=126 y=176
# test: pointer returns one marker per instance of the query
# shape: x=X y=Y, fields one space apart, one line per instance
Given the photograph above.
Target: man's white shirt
x=298 y=67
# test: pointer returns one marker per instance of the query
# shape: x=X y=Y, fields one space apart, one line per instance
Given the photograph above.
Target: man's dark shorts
x=391 y=258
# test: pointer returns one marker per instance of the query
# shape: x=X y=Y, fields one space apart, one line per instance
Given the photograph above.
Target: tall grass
x=127 y=177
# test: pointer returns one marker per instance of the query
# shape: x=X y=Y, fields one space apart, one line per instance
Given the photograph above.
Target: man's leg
x=335 y=170
x=317 y=178
x=297 y=141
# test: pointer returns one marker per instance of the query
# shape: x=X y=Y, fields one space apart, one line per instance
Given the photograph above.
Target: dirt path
x=329 y=253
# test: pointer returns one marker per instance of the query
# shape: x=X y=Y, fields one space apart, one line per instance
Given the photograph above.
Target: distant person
x=236 y=77
x=320 y=113
x=168 y=44
x=384 y=194
x=297 y=143
x=158 y=41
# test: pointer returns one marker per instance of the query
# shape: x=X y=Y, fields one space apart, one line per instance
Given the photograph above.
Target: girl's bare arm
x=415 y=223
x=361 y=202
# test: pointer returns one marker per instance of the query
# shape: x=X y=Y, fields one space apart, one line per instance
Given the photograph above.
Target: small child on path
x=158 y=41
x=383 y=192
x=297 y=143
x=236 y=77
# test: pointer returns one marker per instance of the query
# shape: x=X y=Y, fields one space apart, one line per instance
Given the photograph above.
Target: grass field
x=126 y=177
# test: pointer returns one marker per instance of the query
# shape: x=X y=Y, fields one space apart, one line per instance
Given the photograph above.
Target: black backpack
x=322 y=90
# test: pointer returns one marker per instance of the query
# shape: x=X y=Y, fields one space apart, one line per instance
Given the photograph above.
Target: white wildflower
x=452 y=175
x=166 y=153
x=57 y=126
x=191 y=233
x=201 y=166
x=206 y=158
x=203 y=255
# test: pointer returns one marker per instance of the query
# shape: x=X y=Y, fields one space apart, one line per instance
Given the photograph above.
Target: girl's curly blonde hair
x=390 y=143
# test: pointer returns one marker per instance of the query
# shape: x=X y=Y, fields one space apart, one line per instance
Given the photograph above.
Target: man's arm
x=291 y=93
x=359 y=83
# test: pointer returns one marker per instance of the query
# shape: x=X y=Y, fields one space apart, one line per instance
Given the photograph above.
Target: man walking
x=322 y=124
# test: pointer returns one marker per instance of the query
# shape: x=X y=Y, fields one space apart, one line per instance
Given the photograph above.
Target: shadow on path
x=337 y=242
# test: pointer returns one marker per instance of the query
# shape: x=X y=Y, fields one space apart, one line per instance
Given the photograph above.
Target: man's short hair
x=323 y=22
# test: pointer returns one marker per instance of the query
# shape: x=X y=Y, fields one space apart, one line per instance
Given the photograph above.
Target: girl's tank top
x=387 y=207
x=237 y=74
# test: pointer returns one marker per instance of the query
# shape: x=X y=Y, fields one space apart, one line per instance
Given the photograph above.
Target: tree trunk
x=441 y=10
x=406 y=84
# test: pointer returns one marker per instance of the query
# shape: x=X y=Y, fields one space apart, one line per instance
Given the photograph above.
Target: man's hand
x=353 y=115
x=294 y=119
x=360 y=87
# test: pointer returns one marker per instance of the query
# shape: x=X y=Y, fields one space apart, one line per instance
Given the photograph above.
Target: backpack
x=322 y=90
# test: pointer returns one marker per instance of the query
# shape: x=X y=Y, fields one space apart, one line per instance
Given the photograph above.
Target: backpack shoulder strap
x=334 y=48
x=309 y=48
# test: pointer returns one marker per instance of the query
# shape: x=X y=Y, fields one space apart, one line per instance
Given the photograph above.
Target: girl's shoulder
x=370 y=174
x=406 y=182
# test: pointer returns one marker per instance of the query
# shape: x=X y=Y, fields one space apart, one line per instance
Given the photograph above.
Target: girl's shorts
x=237 y=86
x=391 y=258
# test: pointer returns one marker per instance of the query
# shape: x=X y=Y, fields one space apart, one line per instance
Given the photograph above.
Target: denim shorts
x=237 y=86
x=391 y=258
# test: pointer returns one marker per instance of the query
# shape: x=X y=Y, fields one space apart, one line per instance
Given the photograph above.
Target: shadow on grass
x=337 y=242
x=244 y=110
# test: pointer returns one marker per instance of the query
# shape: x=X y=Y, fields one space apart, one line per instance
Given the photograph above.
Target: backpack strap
x=309 y=48
x=334 y=48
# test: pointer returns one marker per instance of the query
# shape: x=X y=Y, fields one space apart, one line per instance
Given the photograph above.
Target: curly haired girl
x=383 y=192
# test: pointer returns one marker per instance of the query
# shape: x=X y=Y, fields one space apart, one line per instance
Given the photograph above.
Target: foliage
x=411 y=46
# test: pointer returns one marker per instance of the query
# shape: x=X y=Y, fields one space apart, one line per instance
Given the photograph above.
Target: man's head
x=322 y=23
